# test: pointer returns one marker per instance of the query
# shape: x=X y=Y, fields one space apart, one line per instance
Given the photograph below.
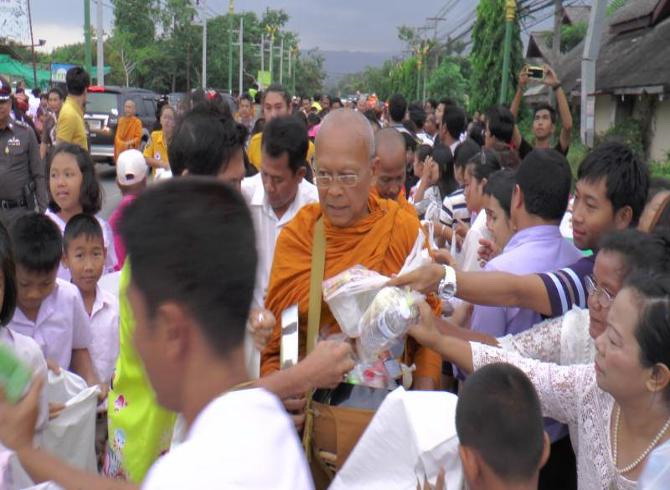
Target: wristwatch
x=447 y=287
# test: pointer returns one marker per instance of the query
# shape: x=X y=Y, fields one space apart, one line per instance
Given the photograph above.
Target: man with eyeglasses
x=22 y=172
x=389 y=168
x=359 y=228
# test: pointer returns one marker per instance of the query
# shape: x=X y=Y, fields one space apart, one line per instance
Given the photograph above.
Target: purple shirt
x=531 y=250
x=61 y=326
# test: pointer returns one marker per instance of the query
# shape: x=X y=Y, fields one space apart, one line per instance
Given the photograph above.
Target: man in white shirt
x=190 y=293
x=278 y=191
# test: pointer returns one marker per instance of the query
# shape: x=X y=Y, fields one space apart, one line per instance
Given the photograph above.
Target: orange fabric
x=381 y=242
x=401 y=200
x=129 y=130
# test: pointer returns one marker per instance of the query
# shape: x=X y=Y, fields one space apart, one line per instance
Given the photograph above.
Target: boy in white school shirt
x=84 y=256
x=190 y=293
x=48 y=309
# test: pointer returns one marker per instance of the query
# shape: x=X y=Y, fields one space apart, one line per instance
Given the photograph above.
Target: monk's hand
x=328 y=363
x=487 y=250
x=424 y=279
x=17 y=421
x=53 y=366
x=260 y=325
x=425 y=332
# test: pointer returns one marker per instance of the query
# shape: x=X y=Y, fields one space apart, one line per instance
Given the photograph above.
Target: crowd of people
x=546 y=298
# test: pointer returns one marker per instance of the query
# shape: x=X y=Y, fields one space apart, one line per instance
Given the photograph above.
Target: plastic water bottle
x=387 y=319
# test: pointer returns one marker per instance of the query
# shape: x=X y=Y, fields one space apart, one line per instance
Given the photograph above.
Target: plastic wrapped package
x=386 y=321
x=349 y=294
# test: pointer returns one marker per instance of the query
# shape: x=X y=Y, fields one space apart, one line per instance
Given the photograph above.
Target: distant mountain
x=340 y=63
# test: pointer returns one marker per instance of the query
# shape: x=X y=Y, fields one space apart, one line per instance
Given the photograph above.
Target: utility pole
x=435 y=21
x=241 y=40
x=231 y=11
x=589 y=58
x=272 y=41
x=510 y=16
x=204 y=46
x=281 y=61
x=101 y=47
x=556 y=43
x=290 y=73
x=32 y=46
x=87 y=35
x=262 y=52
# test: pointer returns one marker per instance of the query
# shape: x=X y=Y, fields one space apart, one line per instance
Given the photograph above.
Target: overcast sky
x=361 y=25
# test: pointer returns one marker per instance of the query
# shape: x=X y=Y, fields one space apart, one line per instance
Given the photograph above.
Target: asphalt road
x=110 y=192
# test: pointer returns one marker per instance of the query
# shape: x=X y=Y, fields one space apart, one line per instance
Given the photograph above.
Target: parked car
x=104 y=106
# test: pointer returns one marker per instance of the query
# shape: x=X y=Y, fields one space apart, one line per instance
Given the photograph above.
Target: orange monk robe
x=381 y=242
x=128 y=134
x=401 y=200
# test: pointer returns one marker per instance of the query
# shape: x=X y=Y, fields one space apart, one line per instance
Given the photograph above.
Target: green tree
x=309 y=73
x=488 y=36
x=448 y=80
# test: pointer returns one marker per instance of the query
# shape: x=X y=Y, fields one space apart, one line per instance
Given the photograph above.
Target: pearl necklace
x=640 y=458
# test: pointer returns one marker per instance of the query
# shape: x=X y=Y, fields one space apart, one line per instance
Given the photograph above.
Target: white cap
x=131 y=167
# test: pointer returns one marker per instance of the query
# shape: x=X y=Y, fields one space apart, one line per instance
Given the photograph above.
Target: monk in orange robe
x=390 y=168
x=129 y=130
x=359 y=229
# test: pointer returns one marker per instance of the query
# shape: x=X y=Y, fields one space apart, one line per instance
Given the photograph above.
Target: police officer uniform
x=22 y=171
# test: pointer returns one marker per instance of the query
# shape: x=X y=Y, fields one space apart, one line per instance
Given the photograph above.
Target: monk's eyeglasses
x=343 y=180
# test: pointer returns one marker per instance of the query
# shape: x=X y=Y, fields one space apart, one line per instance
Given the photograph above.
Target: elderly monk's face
x=344 y=158
x=129 y=108
x=389 y=170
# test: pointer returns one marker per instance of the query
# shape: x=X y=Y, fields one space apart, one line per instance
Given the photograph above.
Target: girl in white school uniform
x=74 y=189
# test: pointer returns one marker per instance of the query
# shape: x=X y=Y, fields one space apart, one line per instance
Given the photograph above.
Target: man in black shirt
x=544 y=116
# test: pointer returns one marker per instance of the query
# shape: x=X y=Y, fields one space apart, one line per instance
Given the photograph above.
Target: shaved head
x=352 y=123
x=390 y=162
x=344 y=151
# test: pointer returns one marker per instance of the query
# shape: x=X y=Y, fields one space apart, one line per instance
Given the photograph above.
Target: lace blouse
x=570 y=395
x=564 y=340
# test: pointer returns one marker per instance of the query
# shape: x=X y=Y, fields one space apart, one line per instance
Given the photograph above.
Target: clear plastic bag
x=349 y=294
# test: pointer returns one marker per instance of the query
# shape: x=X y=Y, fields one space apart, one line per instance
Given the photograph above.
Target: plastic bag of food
x=349 y=294
x=386 y=321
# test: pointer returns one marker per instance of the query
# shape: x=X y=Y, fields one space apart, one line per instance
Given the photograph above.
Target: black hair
x=410 y=142
x=424 y=151
x=409 y=125
x=82 y=225
x=447 y=102
x=454 y=121
x=208 y=267
x=90 y=194
x=544 y=106
x=203 y=143
x=545 y=179
x=371 y=116
x=626 y=176
x=499 y=415
x=57 y=91
x=77 y=80
x=500 y=122
x=465 y=151
x=432 y=103
x=9 y=273
x=38 y=244
x=44 y=96
x=500 y=185
x=278 y=89
x=484 y=164
x=287 y=135
x=445 y=162
x=477 y=131
x=258 y=126
x=246 y=96
x=313 y=119
x=36 y=92
x=336 y=100
x=641 y=251
x=417 y=115
x=653 y=329
x=397 y=107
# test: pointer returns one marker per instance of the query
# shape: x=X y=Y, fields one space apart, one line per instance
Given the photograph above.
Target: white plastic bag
x=419 y=255
x=71 y=435
x=349 y=294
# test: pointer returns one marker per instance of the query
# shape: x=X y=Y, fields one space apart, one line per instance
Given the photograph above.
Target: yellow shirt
x=254 y=150
x=70 y=126
x=157 y=149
